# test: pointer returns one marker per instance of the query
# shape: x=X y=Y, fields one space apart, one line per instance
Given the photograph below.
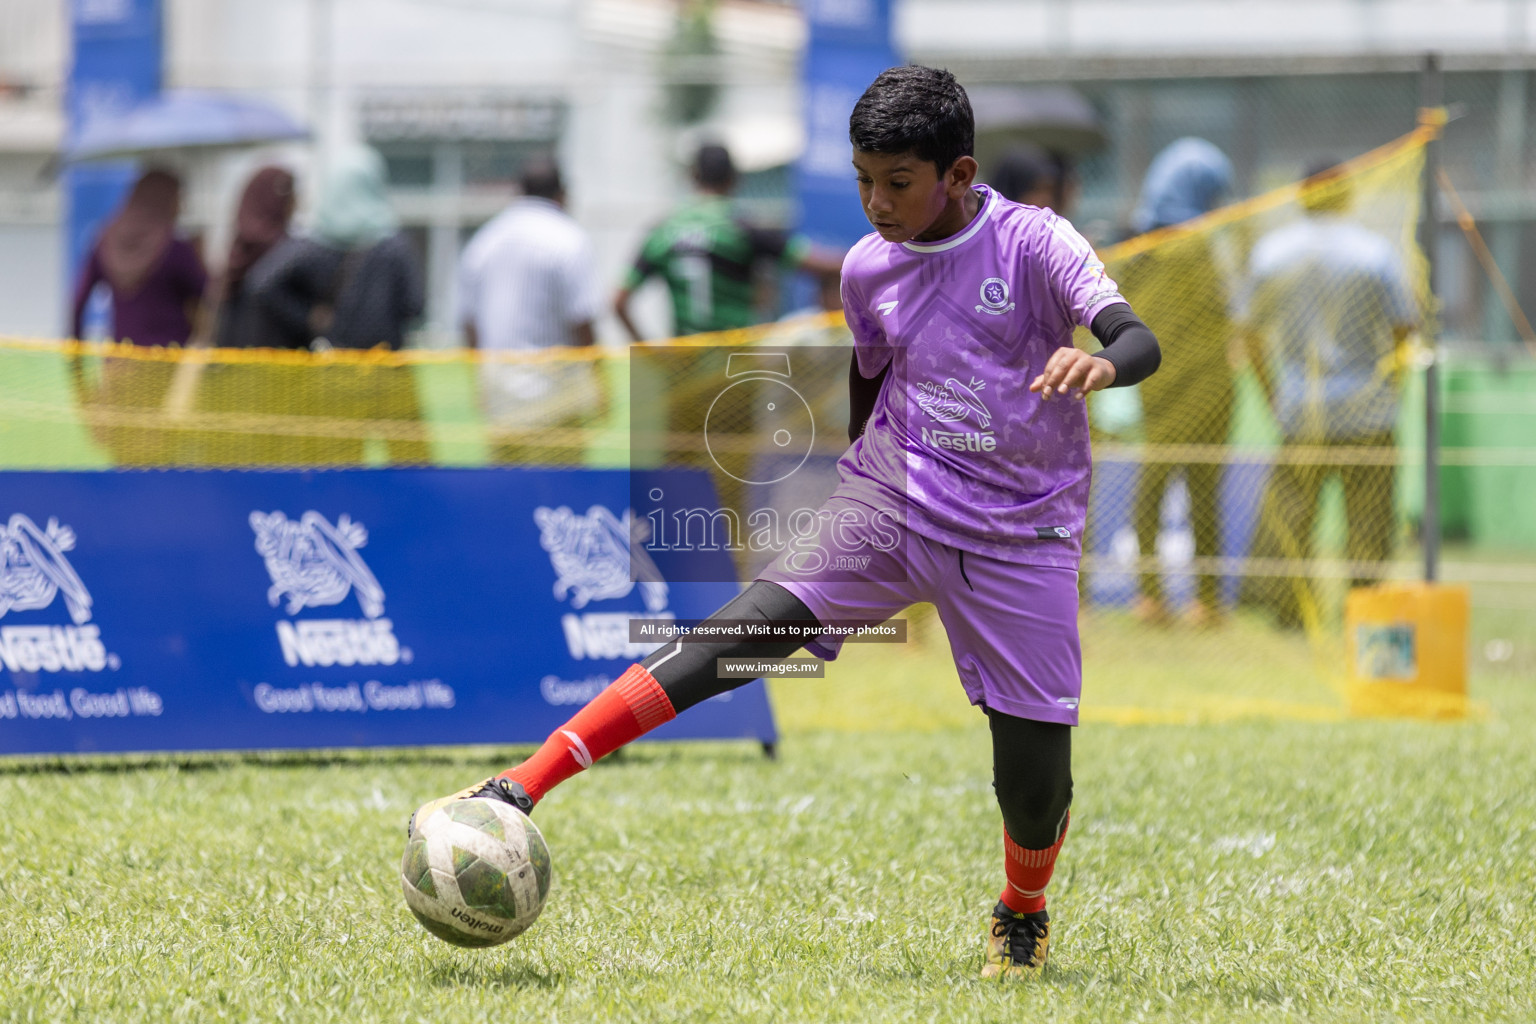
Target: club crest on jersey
x=994 y=297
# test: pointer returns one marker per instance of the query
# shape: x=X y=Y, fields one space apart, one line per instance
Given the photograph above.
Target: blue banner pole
x=115 y=65
x=849 y=44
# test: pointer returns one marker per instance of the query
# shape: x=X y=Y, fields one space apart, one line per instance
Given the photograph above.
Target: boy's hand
x=1073 y=372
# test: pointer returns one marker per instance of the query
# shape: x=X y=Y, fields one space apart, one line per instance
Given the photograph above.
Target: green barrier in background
x=1487 y=405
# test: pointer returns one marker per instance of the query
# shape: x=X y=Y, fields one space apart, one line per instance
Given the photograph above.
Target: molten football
x=475 y=872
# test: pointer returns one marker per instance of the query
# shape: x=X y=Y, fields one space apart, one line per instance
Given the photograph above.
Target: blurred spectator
x=707 y=254
x=358 y=282
x=1187 y=179
x=261 y=223
x=156 y=279
x=1329 y=306
x=528 y=281
x=1180 y=293
x=239 y=321
x=1028 y=174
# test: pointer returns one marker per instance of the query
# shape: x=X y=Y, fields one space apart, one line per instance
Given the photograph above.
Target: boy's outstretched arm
x=1130 y=355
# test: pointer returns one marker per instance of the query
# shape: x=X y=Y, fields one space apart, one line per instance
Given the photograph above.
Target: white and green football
x=475 y=871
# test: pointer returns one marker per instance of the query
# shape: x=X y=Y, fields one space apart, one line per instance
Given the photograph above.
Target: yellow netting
x=1286 y=324
x=99 y=404
x=1238 y=492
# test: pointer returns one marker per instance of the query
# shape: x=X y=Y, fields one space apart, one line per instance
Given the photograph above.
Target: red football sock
x=1029 y=872
x=630 y=707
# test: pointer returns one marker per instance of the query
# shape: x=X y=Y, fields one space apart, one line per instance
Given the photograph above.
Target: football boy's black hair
x=914 y=109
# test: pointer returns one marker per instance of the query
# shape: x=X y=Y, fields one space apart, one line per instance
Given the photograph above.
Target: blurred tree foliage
x=689 y=64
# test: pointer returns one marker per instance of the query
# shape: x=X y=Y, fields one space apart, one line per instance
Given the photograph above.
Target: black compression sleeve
x=688 y=671
x=1128 y=344
x=1032 y=773
x=862 y=393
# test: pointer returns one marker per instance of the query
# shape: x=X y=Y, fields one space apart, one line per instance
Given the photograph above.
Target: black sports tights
x=1031 y=761
x=1032 y=773
x=686 y=669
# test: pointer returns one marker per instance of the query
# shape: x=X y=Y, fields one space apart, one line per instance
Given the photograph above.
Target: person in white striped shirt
x=527 y=282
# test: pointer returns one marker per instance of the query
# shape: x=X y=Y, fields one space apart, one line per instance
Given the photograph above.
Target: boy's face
x=907 y=199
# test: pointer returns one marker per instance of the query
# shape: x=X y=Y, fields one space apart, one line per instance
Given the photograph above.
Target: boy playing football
x=969 y=434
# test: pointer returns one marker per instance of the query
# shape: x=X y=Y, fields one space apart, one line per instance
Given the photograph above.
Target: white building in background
x=456 y=92
x=34 y=45
x=1279 y=84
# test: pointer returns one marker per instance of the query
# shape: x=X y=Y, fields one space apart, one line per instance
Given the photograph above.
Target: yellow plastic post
x=1406 y=645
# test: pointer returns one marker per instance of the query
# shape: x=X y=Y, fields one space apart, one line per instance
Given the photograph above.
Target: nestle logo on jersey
x=953 y=402
x=960 y=440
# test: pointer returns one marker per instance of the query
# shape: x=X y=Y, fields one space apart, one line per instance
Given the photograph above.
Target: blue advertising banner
x=116 y=65
x=204 y=610
x=849 y=44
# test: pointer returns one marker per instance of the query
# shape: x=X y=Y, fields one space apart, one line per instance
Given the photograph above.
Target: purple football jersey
x=957 y=441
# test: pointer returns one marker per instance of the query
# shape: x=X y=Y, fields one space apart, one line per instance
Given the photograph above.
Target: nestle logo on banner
x=315 y=564
x=601 y=557
x=34 y=572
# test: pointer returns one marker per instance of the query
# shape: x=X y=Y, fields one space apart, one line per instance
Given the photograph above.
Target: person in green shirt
x=707 y=252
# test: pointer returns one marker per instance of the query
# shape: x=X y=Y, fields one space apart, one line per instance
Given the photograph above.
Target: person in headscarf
x=355 y=283
x=156 y=278
x=1187 y=179
x=234 y=320
x=261 y=224
x=1180 y=292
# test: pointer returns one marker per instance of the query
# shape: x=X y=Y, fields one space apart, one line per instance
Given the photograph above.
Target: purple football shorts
x=1012 y=628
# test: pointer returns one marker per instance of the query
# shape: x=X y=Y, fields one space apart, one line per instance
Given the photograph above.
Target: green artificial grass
x=1254 y=870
